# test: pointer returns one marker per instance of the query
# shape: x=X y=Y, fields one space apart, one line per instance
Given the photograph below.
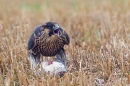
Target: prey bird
x=54 y=67
x=47 y=40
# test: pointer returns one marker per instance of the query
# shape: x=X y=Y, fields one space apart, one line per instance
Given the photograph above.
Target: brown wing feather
x=65 y=37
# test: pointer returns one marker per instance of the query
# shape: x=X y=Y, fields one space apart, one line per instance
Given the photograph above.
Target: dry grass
x=99 y=52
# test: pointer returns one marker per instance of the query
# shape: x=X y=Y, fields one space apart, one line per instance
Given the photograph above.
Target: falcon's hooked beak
x=57 y=30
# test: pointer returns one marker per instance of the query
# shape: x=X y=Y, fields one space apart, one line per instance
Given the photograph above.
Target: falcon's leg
x=61 y=56
x=34 y=61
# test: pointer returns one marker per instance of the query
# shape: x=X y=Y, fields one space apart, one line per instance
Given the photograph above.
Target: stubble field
x=99 y=51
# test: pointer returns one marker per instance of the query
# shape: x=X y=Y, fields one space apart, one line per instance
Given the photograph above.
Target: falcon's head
x=52 y=28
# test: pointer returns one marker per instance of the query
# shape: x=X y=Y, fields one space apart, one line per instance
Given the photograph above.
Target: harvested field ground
x=99 y=52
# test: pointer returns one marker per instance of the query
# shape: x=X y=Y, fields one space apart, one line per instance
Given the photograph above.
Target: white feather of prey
x=54 y=68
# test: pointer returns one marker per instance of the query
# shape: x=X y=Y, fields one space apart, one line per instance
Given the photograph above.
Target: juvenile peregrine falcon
x=47 y=40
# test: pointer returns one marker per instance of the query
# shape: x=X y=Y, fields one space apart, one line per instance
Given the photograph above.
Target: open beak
x=57 y=32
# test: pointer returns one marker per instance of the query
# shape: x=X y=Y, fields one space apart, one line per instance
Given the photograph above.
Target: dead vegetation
x=99 y=52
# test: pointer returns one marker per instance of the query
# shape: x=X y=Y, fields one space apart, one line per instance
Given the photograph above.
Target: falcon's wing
x=31 y=41
x=67 y=38
x=61 y=56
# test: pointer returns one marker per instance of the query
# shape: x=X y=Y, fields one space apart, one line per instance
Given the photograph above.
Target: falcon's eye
x=51 y=27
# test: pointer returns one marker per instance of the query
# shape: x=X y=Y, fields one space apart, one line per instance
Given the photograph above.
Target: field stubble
x=100 y=42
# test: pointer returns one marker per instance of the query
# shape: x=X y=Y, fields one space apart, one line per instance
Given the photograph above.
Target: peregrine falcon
x=47 y=40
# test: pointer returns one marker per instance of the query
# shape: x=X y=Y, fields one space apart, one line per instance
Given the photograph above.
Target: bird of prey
x=47 y=40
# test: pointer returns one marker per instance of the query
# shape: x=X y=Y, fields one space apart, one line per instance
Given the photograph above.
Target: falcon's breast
x=51 y=46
